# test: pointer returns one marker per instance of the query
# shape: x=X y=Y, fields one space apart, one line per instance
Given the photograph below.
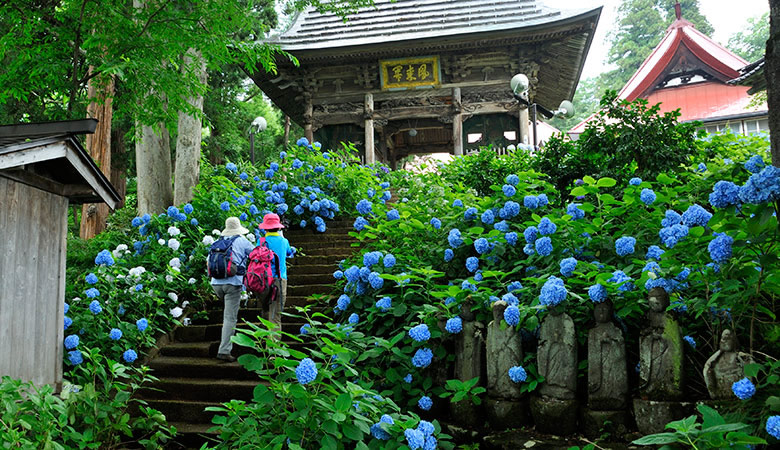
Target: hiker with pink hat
x=281 y=247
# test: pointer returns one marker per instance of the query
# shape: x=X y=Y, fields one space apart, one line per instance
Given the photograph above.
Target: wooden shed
x=43 y=169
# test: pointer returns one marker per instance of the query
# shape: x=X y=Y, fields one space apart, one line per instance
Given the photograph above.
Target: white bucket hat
x=233 y=227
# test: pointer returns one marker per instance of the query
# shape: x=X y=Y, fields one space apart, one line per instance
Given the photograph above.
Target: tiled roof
x=405 y=20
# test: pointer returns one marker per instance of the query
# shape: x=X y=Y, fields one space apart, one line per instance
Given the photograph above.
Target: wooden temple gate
x=412 y=77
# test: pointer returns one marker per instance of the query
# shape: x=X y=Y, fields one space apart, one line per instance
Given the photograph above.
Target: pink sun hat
x=270 y=222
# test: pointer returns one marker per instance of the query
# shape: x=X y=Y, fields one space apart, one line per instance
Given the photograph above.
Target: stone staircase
x=190 y=376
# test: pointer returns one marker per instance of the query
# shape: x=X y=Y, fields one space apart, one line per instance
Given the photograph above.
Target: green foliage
x=485 y=168
x=101 y=413
x=712 y=432
x=750 y=43
x=625 y=139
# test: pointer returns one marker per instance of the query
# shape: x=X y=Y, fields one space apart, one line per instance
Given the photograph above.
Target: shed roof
x=49 y=156
x=407 y=20
x=752 y=75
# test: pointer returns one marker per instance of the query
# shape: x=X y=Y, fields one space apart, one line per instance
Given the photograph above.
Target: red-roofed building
x=690 y=71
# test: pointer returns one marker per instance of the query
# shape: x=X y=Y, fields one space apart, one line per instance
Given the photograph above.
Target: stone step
x=199 y=389
x=309 y=289
x=320 y=260
x=184 y=411
x=213 y=331
x=340 y=253
x=301 y=276
x=312 y=269
x=192 y=435
x=199 y=367
x=303 y=300
x=315 y=239
x=340 y=246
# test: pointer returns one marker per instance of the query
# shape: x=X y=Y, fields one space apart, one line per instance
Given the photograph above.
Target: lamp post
x=258 y=125
x=519 y=85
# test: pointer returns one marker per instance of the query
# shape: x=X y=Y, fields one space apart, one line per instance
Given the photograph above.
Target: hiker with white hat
x=281 y=247
x=227 y=278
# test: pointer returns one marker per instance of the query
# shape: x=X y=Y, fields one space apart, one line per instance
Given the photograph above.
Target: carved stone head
x=465 y=310
x=659 y=299
x=498 y=310
x=728 y=341
x=603 y=311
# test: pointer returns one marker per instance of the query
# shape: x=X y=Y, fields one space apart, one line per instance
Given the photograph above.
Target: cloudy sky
x=724 y=15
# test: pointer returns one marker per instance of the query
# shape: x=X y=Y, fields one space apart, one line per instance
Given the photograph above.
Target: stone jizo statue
x=607 y=376
x=660 y=351
x=557 y=356
x=725 y=367
x=504 y=350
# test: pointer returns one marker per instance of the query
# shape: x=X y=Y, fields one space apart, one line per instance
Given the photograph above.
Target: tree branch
x=151 y=18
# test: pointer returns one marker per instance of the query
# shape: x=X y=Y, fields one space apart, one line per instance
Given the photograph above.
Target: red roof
x=686 y=51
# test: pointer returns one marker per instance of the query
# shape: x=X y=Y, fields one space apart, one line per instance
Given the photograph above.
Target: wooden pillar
x=393 y=160
x=383 y=147
x=368 y=113
x=308 y=117
x=457 y=123
x=525 y=135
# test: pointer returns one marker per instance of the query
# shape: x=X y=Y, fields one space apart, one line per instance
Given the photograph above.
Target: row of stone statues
x=554 y=406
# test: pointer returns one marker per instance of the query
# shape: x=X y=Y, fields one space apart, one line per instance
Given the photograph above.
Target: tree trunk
x=189 y=136
x=119 y=163
x=772 y=74
x=286 y=132
x=153 y=168
x=100 y=93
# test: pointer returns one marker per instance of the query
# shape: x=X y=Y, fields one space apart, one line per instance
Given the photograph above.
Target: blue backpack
x=220 y=260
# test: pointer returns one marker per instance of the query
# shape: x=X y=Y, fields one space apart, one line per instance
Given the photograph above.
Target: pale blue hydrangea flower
x=546 y=226
x=743 y=389
x=512 y=315
x=306 y=372
x=690 y=341
x=635 y=181
x=553 y=292
x=544 y=246
x=647 y=196
x=517 y=374
x=472 y=264
x=129 y=356
x=597 y=293
x=425 y=403
x=720 y=248
x=567 y=266
x=420 y=333
x=454 y=325
x=422 y=358
x=625 y=245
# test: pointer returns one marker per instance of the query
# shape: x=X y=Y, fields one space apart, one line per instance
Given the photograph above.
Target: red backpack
x=259 y=276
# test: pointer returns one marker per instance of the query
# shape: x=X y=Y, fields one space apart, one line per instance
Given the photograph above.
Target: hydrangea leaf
x=262 y=395
x=352 y=432
x=664 y=179
x=606 y=182
x=579 y=190
x=343 y=402
x=589 y=179
x=696 y=231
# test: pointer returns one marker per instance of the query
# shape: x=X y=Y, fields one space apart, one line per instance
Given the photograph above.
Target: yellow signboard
x=410 y=72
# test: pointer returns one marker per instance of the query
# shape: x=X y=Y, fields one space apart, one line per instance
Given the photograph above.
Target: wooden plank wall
x=33 y=228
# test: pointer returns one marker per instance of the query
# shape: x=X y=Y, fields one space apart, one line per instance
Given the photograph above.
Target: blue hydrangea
x=420 y=333
x=597 y=293
x=384 y=303
x=472 y=264
x=509 y=210
x=243 y=176
x=724 y=194
x=422 y=358
x=470 y=213
x=466 y=286
x=342 y=302
x=457 y=203
x=690 y=341
x=224 y=206
x=761 y=187
x=528 y=249
x=512 y=179
x=544 y=246
x=371 y=258
x=129 y=356
x=488 y=217
x=408 y=378
x=454 y=238
x=567 y=266
x=743 y=389
x=701 y=168
x=231 y=167
x=426 y=428
x=71 y=342
x=512 y=315
x=68 y=321
x=306 y=372
x=546 y=226
x=478 y=276
x=141 y=324
x=360 y=223
x=635 y=181
x=755 y=164
x=510 y=299
x=482 y=246
x=625 y=245
x=654 y=252
x=517 y=374
x=773 y=426
x=353 y=319
x=509 y=190
x=425 y=403
x=393 y=215
x=338 y=274
x=670 y=236
x=282 y=155
x=375 y=280
x=695 y=215
x=67 y=308
x=378 y=433
x=115 y=334
x=364 y=207
x=574 y=211
x=297 y=164
x=720 y=248
x=91 y=278
x=652 y=267
x=414 y=438
x=448 y=255
x=136 y=222
x=388 y=261
x=542 y=200
x=511 y=238
x=95 y=307
x=302 y=142
x=75 y=357
x=671 y=217
x=436 y=223
x=454 y=325
x=104 y=258
x=194 y=222
x=647 y=196
x=553 y=292
x=303 y=224
x=530 y=202
x=502 y=226
x=530 y=234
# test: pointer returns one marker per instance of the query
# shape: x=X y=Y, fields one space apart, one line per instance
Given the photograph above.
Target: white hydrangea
x=173 y=231
x=137 y=271
x=173 y=296
x=216 y=232
x=184 y=304
x=207 y=240
x=120 y=277
x=244 y=296
x=169 y=278
x=251 y=237
x=176 y=312
x=161 y=241
x=192 y=281
x=173 y=244
x=175 y=263
x=176 y=269
x=120 y=250
x=76 y=300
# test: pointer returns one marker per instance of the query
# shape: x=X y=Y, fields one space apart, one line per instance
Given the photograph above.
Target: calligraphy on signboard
x=410 y=72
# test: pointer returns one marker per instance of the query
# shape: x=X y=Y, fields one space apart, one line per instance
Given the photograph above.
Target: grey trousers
x=231 y=295
x=276 y=307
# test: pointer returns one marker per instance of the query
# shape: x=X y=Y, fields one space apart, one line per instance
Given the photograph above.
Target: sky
x=725 y=16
